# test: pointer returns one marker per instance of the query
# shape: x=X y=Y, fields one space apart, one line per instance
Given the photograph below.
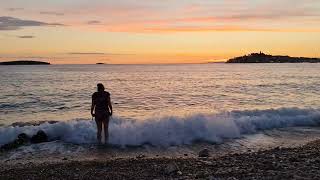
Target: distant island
x=265 y=58
x=24 y=62
x=99 y=63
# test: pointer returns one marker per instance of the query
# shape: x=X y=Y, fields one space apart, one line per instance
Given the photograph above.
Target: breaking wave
x=166 y=131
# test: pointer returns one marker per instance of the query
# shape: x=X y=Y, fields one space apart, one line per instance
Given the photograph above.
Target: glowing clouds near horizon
x=157 y=31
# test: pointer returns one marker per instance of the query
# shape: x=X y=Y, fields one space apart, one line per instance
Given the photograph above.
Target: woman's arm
x=92 y=107
x=110 y=105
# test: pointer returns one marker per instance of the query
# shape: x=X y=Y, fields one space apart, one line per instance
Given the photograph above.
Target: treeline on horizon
x=24 y=62
x=265 y=58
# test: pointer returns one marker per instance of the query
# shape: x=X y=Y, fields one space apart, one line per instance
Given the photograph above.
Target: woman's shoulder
x=107 y=93
x=94 y=94
x=100 y=94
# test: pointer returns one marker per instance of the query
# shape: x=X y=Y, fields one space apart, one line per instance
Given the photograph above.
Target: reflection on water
x=63 y=92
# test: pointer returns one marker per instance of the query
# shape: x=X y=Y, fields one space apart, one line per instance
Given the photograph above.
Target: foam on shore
x=166 y=131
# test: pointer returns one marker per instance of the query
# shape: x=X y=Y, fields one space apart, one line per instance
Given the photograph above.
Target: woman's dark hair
x=100 y=87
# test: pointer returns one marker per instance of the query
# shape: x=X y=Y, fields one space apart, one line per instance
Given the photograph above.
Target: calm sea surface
x=63 y=92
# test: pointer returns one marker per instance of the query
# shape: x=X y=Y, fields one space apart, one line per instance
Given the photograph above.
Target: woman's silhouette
x=101 y=105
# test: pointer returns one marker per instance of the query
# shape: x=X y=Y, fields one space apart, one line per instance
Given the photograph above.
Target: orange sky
x=126 y=31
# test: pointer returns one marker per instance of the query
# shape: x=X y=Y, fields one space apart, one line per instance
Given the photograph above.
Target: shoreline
x=278 y=163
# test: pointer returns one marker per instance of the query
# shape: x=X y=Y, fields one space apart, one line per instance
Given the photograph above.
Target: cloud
x=191 y=28
x=26 y=37
x=52 y=13
x=86 y=53
x=15 y=9
x=22 y=57
x=51 y=57
x=10 y=23
x=194 y=15
x=98 y=53
x=93 y=22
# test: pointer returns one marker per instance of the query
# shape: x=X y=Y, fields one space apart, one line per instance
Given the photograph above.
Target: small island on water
x=99 y=63
x=24 y=62
x=265 y=58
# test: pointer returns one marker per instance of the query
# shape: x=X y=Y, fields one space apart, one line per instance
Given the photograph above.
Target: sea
x=162 y=110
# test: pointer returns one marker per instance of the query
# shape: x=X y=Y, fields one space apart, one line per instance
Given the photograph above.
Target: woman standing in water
x=101 y=104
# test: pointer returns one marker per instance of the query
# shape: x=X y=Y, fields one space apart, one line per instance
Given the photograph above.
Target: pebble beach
x=278 y=163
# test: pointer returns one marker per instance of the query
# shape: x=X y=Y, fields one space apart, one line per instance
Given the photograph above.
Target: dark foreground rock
x=21 y=140
x=204 y=153
x=278 y=163
x=40 y=137
x=24 y=139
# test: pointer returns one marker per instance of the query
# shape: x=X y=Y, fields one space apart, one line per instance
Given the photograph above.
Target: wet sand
x=278 y=163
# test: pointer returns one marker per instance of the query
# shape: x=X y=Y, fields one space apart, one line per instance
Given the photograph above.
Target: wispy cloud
x=15 y=9
x=192 y=15
x=98 y=54
x=86 y=53
x=10 y=23
x=52 y=13
x=26 y=37
x=22 y=57
x=93 y=22
x=157 y=16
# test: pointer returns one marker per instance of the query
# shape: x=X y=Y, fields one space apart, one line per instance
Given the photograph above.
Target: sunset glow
x=128 y=31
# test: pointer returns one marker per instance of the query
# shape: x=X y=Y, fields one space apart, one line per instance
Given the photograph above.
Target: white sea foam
x=166 y=131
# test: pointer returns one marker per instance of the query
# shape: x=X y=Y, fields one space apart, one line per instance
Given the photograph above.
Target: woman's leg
x=99 y=128
x=106 y=129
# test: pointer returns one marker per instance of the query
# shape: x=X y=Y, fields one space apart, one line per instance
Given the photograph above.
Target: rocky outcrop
x=204 y=153
x=265 y=58
x=40 y=137
x=24 y=62
x=24 y=139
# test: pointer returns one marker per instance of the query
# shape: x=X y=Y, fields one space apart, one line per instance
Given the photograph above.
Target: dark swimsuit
x=100 y=100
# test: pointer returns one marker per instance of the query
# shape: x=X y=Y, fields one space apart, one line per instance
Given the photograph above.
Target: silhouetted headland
x=265 y=58
x=24 y=62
